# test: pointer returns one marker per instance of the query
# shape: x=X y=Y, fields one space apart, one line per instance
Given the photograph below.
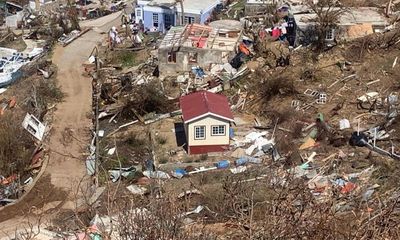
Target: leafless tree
x=182 y=18
x=328 y=14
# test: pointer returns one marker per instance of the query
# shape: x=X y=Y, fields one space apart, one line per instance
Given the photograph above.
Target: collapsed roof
x=200 y=36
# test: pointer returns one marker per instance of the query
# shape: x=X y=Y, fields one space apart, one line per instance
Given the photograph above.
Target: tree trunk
x=388 y=7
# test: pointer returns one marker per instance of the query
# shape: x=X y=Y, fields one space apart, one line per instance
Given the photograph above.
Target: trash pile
x=66 y=39
x=218 y=77
x=12 y=61
x=8 y=189
x=121 y=95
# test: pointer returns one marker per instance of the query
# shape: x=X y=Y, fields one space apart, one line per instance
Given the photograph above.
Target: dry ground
x=66 y=166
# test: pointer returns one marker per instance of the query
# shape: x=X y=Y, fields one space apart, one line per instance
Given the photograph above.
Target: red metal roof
x=202 y=103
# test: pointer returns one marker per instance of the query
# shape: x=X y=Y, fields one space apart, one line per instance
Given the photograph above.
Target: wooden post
x=96 y=90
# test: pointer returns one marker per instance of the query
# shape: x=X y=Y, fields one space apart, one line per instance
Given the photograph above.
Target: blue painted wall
x=148 y=18
x=162 y=23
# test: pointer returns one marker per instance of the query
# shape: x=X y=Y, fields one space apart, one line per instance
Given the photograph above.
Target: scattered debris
x=34 y=126
x=136 y=189
x=116 y=173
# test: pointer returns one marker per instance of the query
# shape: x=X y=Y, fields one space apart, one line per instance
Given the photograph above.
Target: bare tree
x=328 y=14
x=182 y=18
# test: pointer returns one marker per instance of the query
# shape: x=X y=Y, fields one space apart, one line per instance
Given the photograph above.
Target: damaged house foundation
x=195 y=45
x=353 y=23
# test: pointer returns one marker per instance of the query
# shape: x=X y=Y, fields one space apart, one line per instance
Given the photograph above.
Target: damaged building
x=161 y=15
x=196 y=45
x=353 y=23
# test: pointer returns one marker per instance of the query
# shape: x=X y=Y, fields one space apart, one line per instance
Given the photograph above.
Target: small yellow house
x=207 y=118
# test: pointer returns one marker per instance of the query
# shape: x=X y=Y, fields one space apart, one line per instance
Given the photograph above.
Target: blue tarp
x=198 y=72
x=14 y=77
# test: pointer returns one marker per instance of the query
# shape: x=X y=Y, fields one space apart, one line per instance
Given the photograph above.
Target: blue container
x=222 y=164
x=241 y=161
x=181 y=171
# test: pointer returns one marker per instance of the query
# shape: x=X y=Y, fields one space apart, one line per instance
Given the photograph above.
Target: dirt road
x=69 y=137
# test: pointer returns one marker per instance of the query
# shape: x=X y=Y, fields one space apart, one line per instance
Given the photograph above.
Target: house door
x=138 y=15
x=168 y=21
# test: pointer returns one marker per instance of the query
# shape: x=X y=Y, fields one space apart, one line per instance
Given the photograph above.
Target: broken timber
x=76 y=37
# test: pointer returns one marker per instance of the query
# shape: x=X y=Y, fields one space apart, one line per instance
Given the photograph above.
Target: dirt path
x=69 y=136
x=72 y=123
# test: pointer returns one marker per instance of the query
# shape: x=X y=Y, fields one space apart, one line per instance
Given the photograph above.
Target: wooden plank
x=215 y=37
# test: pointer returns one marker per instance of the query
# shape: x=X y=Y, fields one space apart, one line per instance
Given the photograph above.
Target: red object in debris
x=348 y=187
x=8 y=180
x=276 y=33
x=12 y=102
x=200 y=104
x=199 y=42
x=319 y=189
x=243 y=48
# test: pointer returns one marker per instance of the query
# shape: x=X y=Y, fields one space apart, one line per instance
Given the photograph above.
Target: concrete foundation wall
x=253 y=9
x=306 y=35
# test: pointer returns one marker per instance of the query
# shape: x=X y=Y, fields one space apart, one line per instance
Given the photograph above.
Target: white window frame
x=188 y=20
x=156 y=20
x=218 y=130
x=330 y=34
x=197 y=130
x=139 y=13
x=34 y=126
